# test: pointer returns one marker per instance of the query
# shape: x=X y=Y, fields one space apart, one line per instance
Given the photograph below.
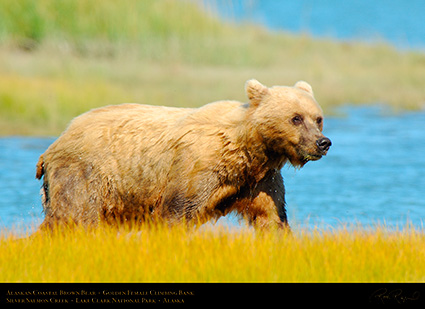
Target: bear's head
x=288 y=120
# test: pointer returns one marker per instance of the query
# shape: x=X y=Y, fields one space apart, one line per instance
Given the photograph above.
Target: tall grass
x=60 y=58
x=164 y=29
x=163 y=254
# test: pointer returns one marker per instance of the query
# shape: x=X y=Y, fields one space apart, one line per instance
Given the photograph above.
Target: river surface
x=398 y=22
x=373 y=174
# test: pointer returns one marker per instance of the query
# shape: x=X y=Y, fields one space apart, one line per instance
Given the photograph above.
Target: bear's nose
x=324 y=143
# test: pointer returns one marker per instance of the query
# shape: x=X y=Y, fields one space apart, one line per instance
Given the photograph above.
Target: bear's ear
x=304 y=86
x=255 y=91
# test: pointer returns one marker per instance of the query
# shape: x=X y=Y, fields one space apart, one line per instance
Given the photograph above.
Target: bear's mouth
x=311 y=157
x=303 y=157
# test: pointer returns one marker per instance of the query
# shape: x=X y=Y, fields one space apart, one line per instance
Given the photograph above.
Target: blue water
x=20 y=204
x=374 y=173
x=399 y=22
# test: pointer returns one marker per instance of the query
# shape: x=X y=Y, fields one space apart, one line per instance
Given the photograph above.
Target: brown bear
x=133 y=162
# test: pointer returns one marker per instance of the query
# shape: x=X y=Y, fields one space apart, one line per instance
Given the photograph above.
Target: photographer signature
x=397 y=295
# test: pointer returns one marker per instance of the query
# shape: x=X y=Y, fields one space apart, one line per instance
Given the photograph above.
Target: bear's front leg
x=263 y=213
x=267 y=207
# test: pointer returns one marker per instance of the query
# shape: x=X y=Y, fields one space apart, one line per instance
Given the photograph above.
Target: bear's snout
x=324 y=143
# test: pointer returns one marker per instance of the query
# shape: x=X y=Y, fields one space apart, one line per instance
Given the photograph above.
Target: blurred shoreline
x=59 y=59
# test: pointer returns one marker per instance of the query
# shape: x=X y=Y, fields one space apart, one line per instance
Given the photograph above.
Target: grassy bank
x=219 y=255
x=61 y=58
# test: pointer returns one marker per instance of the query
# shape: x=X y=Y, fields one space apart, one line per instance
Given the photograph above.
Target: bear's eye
x=297 y=120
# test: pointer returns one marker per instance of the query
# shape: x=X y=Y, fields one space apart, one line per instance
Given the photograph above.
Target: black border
x=213 y=294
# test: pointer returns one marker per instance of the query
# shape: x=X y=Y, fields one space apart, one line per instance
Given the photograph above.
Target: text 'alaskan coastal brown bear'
x=132 y=162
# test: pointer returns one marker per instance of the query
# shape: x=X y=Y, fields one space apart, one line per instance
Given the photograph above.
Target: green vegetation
x=164 y=254
x=61 y=58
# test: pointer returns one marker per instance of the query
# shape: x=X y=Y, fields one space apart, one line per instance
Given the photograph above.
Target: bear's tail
x=40 y=168
x=44 y=192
